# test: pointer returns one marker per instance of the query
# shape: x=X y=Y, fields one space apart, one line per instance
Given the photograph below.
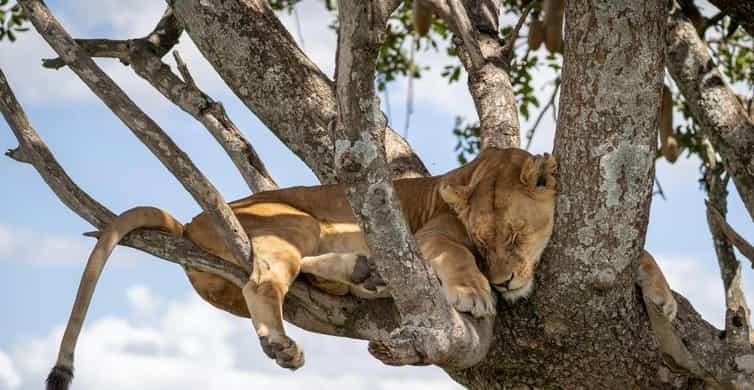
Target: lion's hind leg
x=655 y=288
x=350 y=270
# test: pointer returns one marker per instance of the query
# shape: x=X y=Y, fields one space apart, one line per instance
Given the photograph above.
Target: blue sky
x=146 y=327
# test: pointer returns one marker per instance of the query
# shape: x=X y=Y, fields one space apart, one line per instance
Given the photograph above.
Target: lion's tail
x=139 y=217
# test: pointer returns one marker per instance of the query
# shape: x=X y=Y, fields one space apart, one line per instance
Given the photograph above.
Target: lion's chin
x=514 y=295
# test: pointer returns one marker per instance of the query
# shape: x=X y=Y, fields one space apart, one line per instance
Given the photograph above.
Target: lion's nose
x=504 y=285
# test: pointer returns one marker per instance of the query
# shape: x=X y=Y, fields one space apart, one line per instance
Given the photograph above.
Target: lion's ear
x=530 y=172
x=539 y=171
x=549 y=170
x=456 y=196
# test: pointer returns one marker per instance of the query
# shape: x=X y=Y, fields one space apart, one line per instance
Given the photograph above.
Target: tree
x=614 y=57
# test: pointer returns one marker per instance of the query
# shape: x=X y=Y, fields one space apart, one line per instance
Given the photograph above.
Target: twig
x=550 y=104
x=659 y=189
x=508 y=51
x=718 y=221
x=187 y=96
x=177 y=162
x=183 y=69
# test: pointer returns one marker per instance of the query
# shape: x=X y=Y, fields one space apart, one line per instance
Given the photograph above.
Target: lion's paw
x=286 y=352
x=473 y=296
x=365 y=282
x=664 y=301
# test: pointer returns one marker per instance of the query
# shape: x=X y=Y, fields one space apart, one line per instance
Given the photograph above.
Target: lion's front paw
x=471 y=296
x=286 y=352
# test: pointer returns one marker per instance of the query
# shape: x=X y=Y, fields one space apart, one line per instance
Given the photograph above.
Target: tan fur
x=655 y=287
x=553 y=14
x=498 y=207
x=668 y=143
x=536 y=32
x=422 y=18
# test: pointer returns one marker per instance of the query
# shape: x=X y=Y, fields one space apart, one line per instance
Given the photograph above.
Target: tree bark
x=276 y=80
x=585 y=324
x=713 y=105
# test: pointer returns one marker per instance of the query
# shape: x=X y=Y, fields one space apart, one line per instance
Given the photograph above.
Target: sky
x=146 y=327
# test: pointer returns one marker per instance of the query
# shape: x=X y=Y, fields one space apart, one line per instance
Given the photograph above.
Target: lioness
x=499 y=206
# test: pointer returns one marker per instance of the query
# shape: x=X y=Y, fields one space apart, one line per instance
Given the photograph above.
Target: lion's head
x=506 y=199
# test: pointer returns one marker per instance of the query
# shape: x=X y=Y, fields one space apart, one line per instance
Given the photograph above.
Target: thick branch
x=713 y=105
x=259 y=60
x=489 y=81
x=177 y=162
x=431 y=331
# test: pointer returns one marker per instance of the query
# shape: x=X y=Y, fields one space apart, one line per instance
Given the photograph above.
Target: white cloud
x=190 y=345
x=9 y=377
x=142 y=301
x=22 y=245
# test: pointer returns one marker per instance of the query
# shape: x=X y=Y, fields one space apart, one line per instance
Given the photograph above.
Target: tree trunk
x=585 y=325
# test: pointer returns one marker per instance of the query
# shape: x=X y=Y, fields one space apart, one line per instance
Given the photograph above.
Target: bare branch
x=155 y=242
x=164 y=36
x=550 y=104
x=103 y=48
x=737 y=316
x=718 y=222
x=276 y=80
x=144 y=55
x=712 y=104
x=510 y=41
x=183 y=69
x=187 y=96
x=34 y=151
x=144 y=128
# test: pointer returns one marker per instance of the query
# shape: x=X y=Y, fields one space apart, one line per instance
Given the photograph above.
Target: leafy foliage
x=12 y=21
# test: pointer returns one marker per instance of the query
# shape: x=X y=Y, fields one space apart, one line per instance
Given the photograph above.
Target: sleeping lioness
x=499 y=206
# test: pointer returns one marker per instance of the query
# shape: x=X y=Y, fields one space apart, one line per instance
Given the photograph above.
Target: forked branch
x=144 y=56
x=177 y=162
x=489 y=81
